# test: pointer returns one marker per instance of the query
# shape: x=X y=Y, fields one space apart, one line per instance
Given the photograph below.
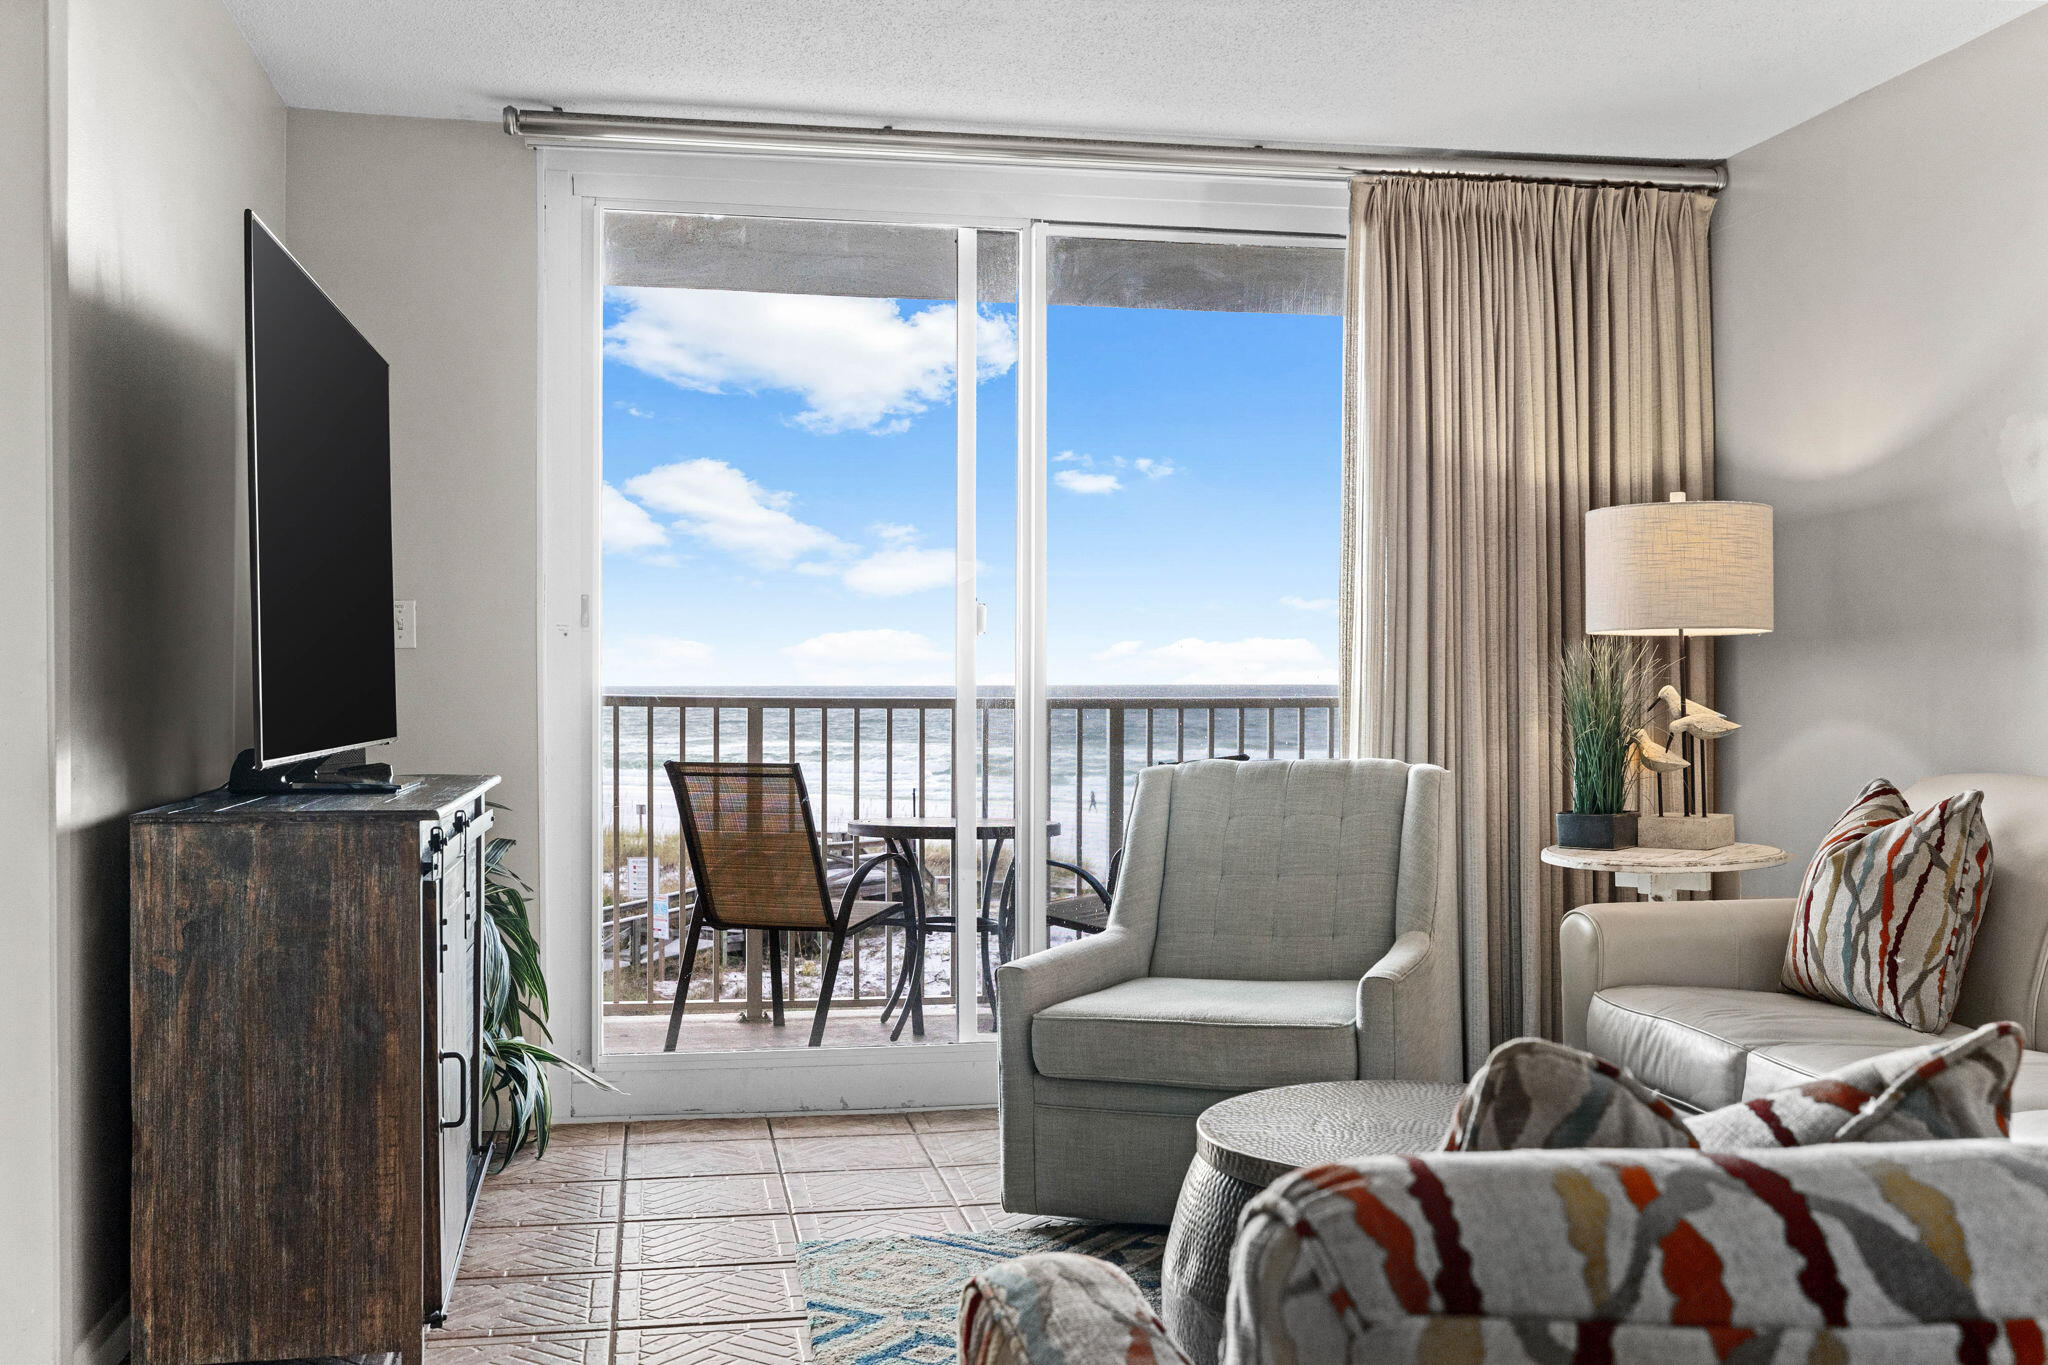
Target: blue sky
x=779 y=492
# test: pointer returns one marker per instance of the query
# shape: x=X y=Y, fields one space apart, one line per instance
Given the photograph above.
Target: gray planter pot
x=1596 y=831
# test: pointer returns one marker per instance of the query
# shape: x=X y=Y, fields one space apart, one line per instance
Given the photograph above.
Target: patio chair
x=754 y=853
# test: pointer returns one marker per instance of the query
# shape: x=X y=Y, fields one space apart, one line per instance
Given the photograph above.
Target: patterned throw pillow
x=1057 y=1308
x=1532 y=1093
x=1958 y=1088
x=1890 y=907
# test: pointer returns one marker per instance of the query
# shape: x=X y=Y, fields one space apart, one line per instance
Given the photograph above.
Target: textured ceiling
x=1650 y=78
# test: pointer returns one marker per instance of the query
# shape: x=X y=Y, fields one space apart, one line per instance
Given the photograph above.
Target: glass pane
x=779 y=502
x=1194 y=452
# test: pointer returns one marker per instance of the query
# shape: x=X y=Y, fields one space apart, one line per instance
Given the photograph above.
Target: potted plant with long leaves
x=1602 y=681
x=517 y=1058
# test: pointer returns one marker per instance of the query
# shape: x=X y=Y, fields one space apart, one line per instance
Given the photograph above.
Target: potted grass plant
x=517 y=1060
x=1602 y=681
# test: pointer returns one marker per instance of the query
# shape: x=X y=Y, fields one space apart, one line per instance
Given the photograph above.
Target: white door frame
x=575 y=185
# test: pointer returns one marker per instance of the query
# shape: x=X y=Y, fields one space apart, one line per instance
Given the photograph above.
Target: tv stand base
x=303 y=778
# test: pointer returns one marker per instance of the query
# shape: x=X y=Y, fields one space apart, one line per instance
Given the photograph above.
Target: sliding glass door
x=1193 y=410
x=906 y=531
x=787 y=466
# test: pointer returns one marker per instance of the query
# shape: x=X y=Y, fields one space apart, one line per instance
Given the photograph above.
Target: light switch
x=405 y=625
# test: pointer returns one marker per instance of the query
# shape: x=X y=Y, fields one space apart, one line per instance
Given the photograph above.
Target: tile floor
x=674 y=1243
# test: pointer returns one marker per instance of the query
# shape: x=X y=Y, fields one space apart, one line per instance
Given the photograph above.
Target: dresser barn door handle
x=462 y=1064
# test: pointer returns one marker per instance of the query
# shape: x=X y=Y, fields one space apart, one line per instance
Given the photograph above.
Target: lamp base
x=1696 y=832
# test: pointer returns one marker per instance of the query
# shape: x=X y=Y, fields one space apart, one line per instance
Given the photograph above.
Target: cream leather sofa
x=1686 y=995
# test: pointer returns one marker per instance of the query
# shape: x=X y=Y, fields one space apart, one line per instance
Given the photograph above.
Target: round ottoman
x=1244 y=1144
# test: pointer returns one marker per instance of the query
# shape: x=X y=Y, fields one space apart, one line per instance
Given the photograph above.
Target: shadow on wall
x=1910 y=638
x=153 y=608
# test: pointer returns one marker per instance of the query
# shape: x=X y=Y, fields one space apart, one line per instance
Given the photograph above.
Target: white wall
x=31 y=1209
x=423 y=231
x=1881 y=314
x=162 y=128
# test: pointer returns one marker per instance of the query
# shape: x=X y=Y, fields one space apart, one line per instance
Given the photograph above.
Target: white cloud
x=722 y=506
x=900 y=568
x=654 y=661
x=1074 y=481
x=857 y=364
x=1315 y=604
x=1255 y=659
x=870 y=657
x=626 y=527
x=718 y=504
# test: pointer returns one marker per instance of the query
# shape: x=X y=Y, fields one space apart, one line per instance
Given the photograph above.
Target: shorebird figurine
x=1658 y=760
x=1655 y=756
x=1699 y=720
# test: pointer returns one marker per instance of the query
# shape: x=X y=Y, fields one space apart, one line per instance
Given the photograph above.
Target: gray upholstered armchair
x=1275 y=923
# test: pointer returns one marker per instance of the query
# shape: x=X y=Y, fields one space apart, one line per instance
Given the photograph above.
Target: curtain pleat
x=1517 y=353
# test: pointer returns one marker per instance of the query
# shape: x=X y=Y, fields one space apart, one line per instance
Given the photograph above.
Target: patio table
x=907 y=834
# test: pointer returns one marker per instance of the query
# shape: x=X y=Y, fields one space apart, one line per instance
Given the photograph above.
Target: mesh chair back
x=752 y=844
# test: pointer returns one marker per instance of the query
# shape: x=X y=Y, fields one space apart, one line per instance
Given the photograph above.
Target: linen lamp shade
x=1662 y=568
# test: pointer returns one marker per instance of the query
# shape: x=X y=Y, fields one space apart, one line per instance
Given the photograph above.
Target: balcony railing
x=881 y=755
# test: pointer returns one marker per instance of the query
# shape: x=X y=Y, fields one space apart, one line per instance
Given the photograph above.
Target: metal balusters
x=1121 y=758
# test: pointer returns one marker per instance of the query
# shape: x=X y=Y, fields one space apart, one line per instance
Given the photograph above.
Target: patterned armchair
x=1855 y=1252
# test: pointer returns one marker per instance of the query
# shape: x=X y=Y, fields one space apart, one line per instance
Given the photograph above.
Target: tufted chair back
x=1279 y=870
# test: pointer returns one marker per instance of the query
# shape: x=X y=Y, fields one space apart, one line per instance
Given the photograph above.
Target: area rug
x=886 y=1299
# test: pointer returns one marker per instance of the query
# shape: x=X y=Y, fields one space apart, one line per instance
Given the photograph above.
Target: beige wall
x=423 y=231
x=164 y=130
x=1881 y=306
x=142 y=131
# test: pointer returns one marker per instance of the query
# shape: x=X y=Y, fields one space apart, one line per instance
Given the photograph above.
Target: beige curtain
x=1517 y=353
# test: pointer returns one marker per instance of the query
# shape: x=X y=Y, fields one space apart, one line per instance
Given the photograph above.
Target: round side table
x=1246 y=1143
x=1661 y=873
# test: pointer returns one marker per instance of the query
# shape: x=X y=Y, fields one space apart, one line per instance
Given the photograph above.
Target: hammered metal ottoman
x=1244 y=1144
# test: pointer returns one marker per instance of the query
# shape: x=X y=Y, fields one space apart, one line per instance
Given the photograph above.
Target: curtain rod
x=558 y=126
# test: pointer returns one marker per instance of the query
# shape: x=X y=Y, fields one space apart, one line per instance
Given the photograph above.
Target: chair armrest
x=1360 y=1260
x=1409 y=1024
x=1023 y=988
x=1097 y=962
x=1735 y=944
x=1057 y=1308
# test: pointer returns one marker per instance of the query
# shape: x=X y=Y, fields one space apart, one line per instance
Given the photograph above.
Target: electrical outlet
x=405 y=625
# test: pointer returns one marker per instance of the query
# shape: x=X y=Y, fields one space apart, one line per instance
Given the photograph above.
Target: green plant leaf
x=517 y=1071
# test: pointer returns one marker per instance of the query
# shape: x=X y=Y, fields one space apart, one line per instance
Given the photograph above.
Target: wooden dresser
x=304 y=1012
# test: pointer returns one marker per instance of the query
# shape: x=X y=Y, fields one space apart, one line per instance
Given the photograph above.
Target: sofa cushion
x=1889 y=909
x=1163 y=1030
x=1692 y=1043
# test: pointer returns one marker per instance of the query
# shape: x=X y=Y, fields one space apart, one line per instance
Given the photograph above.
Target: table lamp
x=1681 y=569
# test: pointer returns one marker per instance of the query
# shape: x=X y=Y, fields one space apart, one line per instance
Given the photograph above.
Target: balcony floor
x=848 y=1026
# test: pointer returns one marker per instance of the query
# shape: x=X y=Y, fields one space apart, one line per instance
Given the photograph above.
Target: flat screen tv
x=319 y=524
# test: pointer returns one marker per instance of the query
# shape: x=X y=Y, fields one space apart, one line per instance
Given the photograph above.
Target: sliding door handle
x=462 y=1065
